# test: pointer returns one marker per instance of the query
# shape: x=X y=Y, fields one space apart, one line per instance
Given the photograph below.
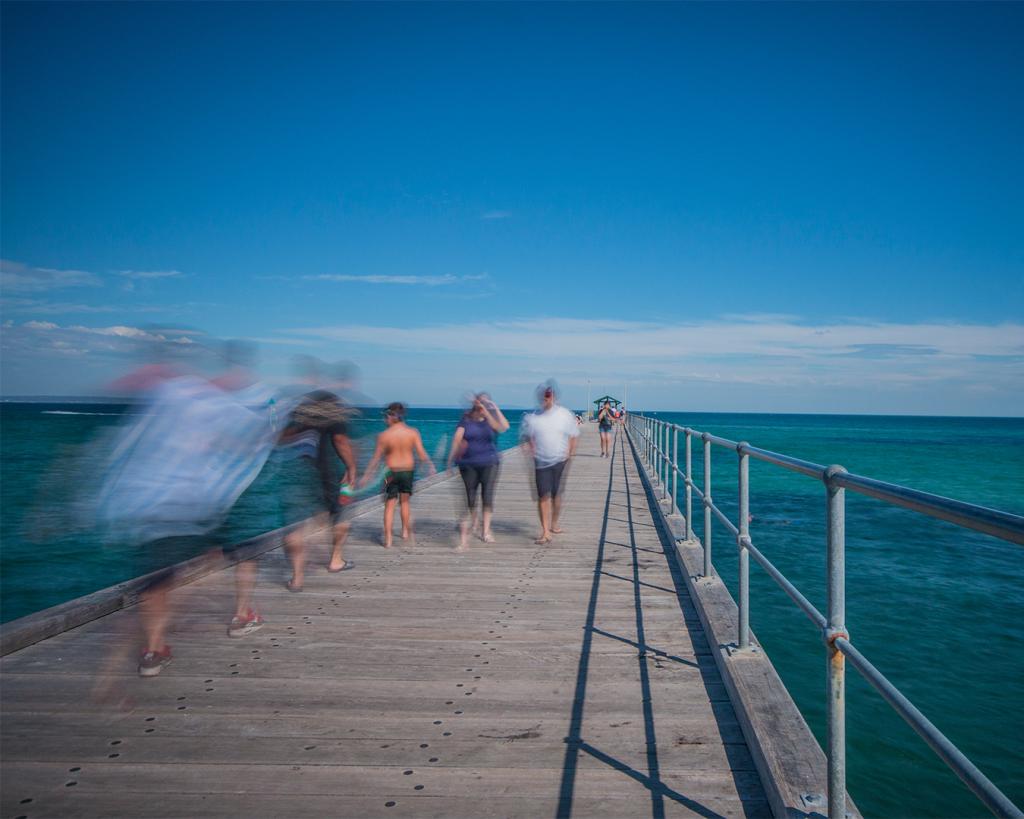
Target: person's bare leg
x=406 y=516
x=556 y=509
x=487 y=536
x=389 y=520
x=154 y=611
x=466 y=524
x=340 y=534
x=295 y=546
x=108 y=688
x=544 y=512
x=245 y=583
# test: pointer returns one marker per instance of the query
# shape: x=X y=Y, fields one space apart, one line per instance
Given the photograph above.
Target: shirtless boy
x=398 y=446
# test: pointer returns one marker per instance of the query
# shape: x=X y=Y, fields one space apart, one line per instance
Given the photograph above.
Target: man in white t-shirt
x=549 y=435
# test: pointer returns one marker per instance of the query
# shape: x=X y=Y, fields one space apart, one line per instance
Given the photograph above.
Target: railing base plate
x=733 y=650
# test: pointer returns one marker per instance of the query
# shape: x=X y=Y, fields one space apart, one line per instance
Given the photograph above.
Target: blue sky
x=760 y=207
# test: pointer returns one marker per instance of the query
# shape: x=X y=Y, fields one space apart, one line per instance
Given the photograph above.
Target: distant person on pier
x=398 y=447
x=475 y=450
x=605 y=421
x=549 y=435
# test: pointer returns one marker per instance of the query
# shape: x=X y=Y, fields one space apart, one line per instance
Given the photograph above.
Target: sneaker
x=152 y=662
x=241 y=626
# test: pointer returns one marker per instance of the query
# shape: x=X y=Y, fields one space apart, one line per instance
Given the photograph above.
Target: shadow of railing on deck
x=636 y=582
x=737 y=753
x=575 y=744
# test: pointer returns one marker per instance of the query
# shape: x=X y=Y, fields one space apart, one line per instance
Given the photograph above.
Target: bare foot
x=557 y=531
x=386 y=544
x=487 y=537
x=540 y=541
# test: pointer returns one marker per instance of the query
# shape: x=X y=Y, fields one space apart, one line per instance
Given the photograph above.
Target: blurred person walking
x=474 y=449
x=318 y=430
x=172 y=476
x=398 y=447
x=550 y=435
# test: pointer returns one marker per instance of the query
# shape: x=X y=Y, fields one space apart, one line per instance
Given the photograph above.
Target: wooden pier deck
x=513 y=680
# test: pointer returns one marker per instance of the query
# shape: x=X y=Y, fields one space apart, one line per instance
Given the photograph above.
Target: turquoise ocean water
x=938 y=609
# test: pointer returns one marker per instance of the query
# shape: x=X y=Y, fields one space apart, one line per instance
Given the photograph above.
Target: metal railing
x=657 y=439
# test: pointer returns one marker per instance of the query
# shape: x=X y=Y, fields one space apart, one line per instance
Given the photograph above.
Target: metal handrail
x=654 y=436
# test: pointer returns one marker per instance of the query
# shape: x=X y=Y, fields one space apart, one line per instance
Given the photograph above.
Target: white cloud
x=45 y=358
x=650 y=341
x=150 y=274
x=41 y=336
x=16 y=277
x=774 y=351
x=428 y=281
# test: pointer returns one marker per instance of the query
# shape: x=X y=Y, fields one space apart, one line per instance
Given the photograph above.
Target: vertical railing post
x=689 y=479
x=707 y=504
x=673 y=507
x=655 y=471
x=650 y=445
x=664 y=459
x=661 y=459
x=658 y=457
x=836 y=659
x=742 y=539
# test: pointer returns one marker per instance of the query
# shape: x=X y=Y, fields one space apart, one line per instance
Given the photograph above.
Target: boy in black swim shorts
x=399 y=483
x=398 y=447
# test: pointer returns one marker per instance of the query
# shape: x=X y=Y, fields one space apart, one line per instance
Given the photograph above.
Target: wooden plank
x=686 y=726
x=399 y=801
x=532 y=749
x=596 y=779
x=238 y=695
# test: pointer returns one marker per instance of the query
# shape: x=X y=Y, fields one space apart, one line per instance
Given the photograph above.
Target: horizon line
x=108 y=399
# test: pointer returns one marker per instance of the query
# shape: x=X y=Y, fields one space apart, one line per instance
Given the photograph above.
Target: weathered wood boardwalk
x=513 y=680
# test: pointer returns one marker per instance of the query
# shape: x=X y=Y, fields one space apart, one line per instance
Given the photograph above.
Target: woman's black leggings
x=484 y=477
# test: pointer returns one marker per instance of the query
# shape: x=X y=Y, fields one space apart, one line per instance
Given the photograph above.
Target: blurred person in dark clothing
x=319 y=429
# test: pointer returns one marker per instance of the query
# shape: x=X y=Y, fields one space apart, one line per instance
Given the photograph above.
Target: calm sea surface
x=938 y=609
